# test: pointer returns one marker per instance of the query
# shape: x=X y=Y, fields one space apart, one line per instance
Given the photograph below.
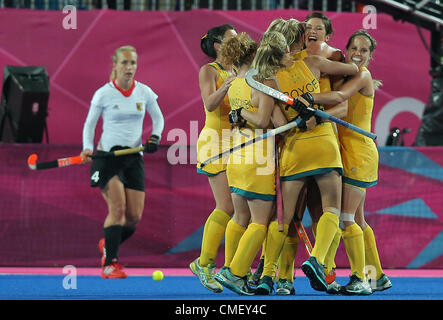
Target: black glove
x=305 y=112
x=235 y=116
x=300 y=105
x=151 y=144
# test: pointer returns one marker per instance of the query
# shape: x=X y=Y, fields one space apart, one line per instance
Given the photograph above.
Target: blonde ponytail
x=292 y=29
x=270 y=54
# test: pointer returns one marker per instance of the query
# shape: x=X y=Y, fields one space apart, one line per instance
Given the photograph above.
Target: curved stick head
x=32 y=161
x=252 y=72
x=250 y=75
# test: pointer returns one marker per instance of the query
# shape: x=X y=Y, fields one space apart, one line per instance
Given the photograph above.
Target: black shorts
x=129 y=168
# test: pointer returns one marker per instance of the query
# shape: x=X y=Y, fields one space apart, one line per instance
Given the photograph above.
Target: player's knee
x=346 y=219
x=117 y=210
x=334 y=210
x=133 y=218
x=226 y=206
x=360 y=220
x=132 y=222
x=241 y=218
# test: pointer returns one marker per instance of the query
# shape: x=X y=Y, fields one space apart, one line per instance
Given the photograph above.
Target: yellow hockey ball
x=158 y=275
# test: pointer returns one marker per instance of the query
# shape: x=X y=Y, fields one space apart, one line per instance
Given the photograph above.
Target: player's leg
x=235 y=229
x=135 y=202
x=288 y=254
x=313 y=203
x=215 y=225
x=377 y=278
x=285 y=279
x=114 y=195
x=327 y=228
x=133 y=178
x=213 y=232
x=275 y=239
x=315 y=210
x=249 y=246
x=255 y=279
x=353 y=240
x=236 y=226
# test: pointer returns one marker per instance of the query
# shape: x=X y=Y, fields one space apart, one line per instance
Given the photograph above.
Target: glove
x=299 y=104
x=151 y=144
x=303 y=112
x=235 y=116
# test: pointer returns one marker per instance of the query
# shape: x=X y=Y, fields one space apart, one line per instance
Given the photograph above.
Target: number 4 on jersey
x=95 y=176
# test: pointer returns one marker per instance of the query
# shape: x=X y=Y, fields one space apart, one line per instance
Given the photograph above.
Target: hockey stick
x=303 y=236
x=298 y=216
x=69 y=161
x=278 y=195
x=270 y=133
x=289 y=100
x=62 y=162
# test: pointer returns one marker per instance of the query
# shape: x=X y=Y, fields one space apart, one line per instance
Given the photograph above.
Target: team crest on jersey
x=139 y=106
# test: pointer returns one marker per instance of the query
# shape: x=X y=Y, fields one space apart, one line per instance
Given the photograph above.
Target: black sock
x=127 y=232
x=112 y=243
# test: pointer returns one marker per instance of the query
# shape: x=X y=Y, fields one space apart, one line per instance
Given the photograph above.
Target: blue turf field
x=50 y=287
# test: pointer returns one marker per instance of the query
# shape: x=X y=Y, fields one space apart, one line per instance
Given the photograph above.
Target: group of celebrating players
x=319 y=165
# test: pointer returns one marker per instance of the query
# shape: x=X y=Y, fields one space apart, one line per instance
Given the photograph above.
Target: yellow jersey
x=300 y=55
x=305 y=153
x=218 y=118
x=250 y=170
x=359 y=153
x=215 y=136
x=324 y=83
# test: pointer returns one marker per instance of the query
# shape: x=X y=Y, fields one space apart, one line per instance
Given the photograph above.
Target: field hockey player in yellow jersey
x=238 y=51
x=251 y=170
x=285 y=279
x=322 y=30
x=214 y=80
x=282 y=26
x=308 y=153
x=318 y=31
x=360 y=162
